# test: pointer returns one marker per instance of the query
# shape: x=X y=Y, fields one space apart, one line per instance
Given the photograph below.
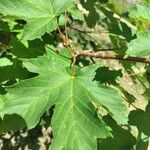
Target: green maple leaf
x=41 y=15
x=75 y=123
x=140 y=46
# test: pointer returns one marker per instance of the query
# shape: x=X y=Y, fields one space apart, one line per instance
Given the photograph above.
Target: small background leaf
x=140 y=46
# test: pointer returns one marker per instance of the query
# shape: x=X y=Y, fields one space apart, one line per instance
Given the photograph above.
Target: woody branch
x=108 y=55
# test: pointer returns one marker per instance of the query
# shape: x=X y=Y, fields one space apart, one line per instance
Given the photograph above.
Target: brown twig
x=66 y=33
x=108 y=55
x=73 y=65
x=65 y=38
x=61 y=35
x=3 y=46
x=67 y=42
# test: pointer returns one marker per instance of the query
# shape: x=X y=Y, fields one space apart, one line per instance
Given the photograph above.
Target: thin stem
x=73 y=65
x=66 y=36
x=64 y=41
x=61 y=34
x=67 y=44
x=66 y=33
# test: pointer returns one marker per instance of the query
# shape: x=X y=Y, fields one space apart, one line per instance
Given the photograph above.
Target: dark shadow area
x=103 y=1
x=34 y=48
x=47 y=117
x=140 y=119
x=4 y=26
x=24 y=139
x=2 y=90
x=146 y=93
x=105 y=75
x=93 y=16
x=115 y=26
x=13 y=72
x=19 y=137
x=128 y=97
x=11 y=123
x=122 y=138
